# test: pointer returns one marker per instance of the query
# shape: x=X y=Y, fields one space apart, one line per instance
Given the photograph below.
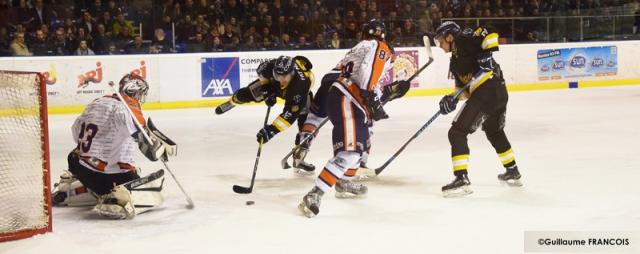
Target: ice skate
x=301 y=167
x=348 y=189
x=310 y=205
x=458 y=188
x=511 y=177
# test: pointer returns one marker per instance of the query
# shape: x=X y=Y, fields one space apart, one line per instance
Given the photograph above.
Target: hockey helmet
x=282 y=68
x=446 y=28
x=375 y=28
x=134 y=86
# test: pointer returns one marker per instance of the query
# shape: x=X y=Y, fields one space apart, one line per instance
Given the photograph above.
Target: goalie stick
x=285 y=161
x=246 y=190
x=190 y=204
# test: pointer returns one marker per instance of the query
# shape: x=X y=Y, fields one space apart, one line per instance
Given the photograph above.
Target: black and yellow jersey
x=294 y=94
x=472 y=62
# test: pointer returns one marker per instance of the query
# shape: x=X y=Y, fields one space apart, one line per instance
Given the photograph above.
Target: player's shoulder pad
x=303 y=63
x=489 y=40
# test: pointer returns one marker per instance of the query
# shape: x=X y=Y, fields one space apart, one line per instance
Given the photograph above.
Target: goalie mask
x=134 y=86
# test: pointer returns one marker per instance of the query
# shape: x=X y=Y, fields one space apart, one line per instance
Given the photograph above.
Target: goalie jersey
x=104 y=132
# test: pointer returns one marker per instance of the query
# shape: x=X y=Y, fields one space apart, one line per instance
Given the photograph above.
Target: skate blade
x=511 y=183
x=364 y=174
x=349 y=195
x=302 y=172
x=306 y=211
x=458 y=192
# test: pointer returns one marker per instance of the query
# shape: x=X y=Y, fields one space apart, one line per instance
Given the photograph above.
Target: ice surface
x=577 y=151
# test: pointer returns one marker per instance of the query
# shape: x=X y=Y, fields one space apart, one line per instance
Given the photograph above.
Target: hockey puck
x=250 y=202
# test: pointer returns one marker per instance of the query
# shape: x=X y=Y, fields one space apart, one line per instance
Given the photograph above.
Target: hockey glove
x=271 y=100
x=374 y=106
x=447 y=104
x=395 y=90
x=266 y=133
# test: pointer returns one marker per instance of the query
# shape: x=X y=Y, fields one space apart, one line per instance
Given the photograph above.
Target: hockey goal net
x=25 y=203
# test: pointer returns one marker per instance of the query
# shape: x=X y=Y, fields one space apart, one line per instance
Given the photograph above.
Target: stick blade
x=427 y=45
x=241 y=190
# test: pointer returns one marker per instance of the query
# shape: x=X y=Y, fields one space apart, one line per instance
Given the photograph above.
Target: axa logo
x=92 y=76
x=142 y=71
x=218 y=87
x=50 y=77
x=220 y=76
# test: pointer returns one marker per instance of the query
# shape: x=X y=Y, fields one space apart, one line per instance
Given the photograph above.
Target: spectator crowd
x=110 y=27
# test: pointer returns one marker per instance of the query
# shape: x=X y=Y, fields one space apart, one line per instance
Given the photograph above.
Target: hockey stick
x=190 y=204
x=433 y=118
x=246 y=190
x=427 y=46
x=285 y=161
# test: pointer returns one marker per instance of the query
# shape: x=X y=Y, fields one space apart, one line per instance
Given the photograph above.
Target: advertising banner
x=576 y=63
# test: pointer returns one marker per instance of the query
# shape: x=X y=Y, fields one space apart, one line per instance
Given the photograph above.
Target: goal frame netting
x=46 y=189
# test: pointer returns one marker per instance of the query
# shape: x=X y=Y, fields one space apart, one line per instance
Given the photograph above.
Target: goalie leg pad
x=146 y=192
x=116 y=205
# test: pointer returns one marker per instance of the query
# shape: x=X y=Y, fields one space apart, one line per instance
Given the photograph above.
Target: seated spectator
x=5 y=42
x=18 y=47
x=216 y=45
x=113 y=50
x=197 y=44
x=137 y=47
x=351 y=30
x=160 y=42
x=266 y=44
x=121 y=24
x=41 y=46
x=319 y=42
x=250 y=44
x=285 y=42
x=335 y=42
x=123 y=39
x=62 y=46
x=302 y=43
x=101 y=40
x=83 y=35
x=83 y=49
x=234 y=45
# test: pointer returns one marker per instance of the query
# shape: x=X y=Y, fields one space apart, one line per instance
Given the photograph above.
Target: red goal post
x=25 y=186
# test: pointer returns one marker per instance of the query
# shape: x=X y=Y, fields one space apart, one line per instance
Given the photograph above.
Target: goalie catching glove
x=161 y=147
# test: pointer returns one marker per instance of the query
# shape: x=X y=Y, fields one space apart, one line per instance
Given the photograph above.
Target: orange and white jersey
x=104 y=132
x=363 y=67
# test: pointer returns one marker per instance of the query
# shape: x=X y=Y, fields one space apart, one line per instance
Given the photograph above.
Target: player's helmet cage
x=447 y=28
x=375 y=28
x=282 y=67
x=134 y=86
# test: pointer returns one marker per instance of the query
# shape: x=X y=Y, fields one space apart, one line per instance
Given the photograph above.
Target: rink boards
x=207 y=79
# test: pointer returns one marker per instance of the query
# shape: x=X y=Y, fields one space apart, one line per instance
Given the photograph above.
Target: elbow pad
x=486 y=62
